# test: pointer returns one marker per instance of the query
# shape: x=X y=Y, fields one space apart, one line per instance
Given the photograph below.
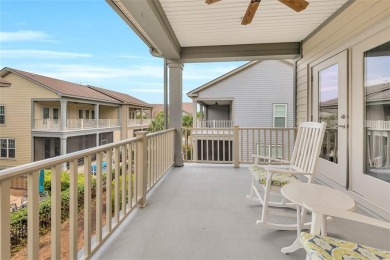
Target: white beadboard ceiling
x=196 y=23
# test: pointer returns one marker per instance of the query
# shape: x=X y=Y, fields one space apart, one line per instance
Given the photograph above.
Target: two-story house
x=43 y=117
x=256 y=94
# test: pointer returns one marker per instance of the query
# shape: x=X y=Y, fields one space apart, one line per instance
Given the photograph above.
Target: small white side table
x=314 y=194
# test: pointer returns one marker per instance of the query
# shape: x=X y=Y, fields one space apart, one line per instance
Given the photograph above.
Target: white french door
x=370 y=119
x=330 y=101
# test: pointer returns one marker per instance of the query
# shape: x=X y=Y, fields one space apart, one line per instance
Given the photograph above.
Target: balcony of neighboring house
x=139 y=118
x=48 y=116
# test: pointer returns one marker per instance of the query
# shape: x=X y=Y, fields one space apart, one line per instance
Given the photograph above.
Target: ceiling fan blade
x=296 y=5
x=250 y=12
x=212 y=1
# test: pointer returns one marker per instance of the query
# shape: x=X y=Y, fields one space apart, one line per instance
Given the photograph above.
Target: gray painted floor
x=200 y=212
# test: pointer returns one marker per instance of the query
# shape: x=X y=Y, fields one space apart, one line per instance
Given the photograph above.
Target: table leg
x=317 y=221
x=296 y=244
x=324 y=226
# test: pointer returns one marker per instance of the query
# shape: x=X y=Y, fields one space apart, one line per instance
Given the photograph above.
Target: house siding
x=254 y=90
x=340 y=34
x=17 y=99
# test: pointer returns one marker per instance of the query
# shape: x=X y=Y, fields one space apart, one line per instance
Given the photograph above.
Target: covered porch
x=199 y=211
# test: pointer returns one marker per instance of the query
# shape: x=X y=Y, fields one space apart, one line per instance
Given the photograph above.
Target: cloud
x=145 y=90
x=41 y=54
x=131 y=57
x=24 y=36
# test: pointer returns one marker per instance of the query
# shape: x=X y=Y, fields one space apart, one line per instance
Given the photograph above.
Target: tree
x=158 y=123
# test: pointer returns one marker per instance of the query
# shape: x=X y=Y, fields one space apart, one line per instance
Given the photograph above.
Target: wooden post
x=141 y=168
x=33 y=215
x=56 y=212
x=5 y=243
x=236 y=155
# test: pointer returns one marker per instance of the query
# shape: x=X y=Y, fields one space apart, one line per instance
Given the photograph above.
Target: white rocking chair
x=272 y=177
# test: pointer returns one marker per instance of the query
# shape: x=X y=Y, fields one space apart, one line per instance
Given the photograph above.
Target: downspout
x=158 y=55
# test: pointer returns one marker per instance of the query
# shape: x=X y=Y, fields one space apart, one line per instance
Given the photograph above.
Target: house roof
x=194 y=92
x=61 y=87
x=127 y=99
x=4 y=83
x=187 y=107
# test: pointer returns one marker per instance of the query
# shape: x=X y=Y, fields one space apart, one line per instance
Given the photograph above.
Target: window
x=7 y=148
x=86 y=114
x=280 y=115
x=265 y=151
x=93 y=114
x=2 y=114
x=81 y=114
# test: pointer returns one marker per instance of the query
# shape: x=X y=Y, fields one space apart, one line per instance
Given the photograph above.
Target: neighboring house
x=187 y=109
x=257 y=94
x=42 y=117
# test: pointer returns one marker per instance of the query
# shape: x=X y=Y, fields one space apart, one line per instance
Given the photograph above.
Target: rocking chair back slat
x=307 y=147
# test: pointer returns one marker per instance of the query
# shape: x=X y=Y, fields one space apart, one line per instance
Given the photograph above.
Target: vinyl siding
x=254 y=90
x=17 y=99
x=340 y=34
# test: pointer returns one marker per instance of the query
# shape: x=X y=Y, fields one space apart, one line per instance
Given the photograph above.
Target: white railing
x=133 y=122
x=236 y=145
x=132 y=166
x=53 y=124
x=108 y=123
x=378 y=124
x=81 y=123
x=214 y=124
x=139 y=122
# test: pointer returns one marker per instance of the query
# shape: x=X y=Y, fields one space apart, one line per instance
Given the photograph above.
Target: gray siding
x=254 y=90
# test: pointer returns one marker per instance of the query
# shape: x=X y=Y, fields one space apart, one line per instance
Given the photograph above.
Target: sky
x=86 y=42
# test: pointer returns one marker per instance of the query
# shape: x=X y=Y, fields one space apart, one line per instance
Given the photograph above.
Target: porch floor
x=199 y=211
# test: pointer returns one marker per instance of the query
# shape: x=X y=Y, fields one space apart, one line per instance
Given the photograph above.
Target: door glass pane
x=377 y=111
x=55 y=113
x=328 y=110
x=46 y=113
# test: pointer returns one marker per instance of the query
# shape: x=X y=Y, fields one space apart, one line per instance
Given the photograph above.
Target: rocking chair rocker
x=271 y=178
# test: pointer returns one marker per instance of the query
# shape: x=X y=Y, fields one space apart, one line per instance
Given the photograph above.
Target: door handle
x=342 y=126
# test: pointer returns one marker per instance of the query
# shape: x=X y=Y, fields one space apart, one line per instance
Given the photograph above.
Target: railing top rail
x=36 y=166
x=268 y=128
x=160 y=132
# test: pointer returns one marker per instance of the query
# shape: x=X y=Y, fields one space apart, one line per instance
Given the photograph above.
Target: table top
x=314 y=194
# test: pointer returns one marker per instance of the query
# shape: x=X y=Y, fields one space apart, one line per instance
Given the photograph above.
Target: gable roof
x=127 y=99
x=187 y=107
x=61 y=87
x=4 y=83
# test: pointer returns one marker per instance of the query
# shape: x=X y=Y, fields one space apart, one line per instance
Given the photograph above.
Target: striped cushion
x=321 y=247
x=278 y=179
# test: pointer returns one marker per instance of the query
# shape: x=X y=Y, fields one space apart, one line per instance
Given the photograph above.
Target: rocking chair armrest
x=269 y=158
x=280 y=170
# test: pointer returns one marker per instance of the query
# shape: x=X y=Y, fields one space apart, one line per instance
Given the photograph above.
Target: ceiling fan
x=296 y=5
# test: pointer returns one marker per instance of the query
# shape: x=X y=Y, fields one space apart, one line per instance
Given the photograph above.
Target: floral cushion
x=278 y=179
x=321 y=247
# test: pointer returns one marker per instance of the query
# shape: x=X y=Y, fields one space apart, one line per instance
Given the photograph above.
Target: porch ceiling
x=194 y=31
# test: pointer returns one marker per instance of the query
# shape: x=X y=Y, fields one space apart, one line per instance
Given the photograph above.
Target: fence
x=137 y=164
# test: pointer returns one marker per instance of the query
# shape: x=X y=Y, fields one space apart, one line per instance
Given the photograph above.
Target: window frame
x=8 y=148
x=285 y=114
x=4 y=112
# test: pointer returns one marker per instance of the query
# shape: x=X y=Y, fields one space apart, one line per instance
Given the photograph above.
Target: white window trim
x=273 y=114
x=5 y=111
x=7 y=157
x=260 y=148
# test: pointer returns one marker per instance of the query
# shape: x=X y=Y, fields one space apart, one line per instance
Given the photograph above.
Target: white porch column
x=194 y=112
x=175 y=106
x=97 y=107
x=64 y=143
x=63 y=114
x=201 y=112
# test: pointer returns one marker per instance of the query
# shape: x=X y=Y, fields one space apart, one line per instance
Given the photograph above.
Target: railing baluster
x=73 y=210
x=124 y=164
x=109 y=191
x=99 y=190
x=33 y=215
x=116 y=185
x=87 y=205
x=5 y=242
x=130 y=174
x=55 y=212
